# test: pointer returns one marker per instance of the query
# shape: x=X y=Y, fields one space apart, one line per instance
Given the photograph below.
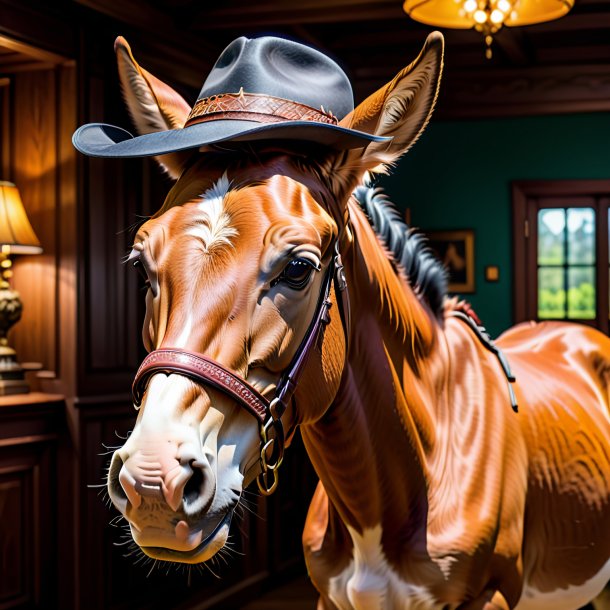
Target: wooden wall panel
x=118 y=194
x=28 y=504
x=67 y=235
x=15 y=548
x=5 y=132
x=34 y=162
x=40 y=121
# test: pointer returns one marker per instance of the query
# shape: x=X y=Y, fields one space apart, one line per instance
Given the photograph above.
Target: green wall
x=459 y=174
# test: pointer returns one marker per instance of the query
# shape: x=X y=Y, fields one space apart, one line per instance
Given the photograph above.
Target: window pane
x=581 y=293
x=581 y=236
x=551 y=293
x=551 y=230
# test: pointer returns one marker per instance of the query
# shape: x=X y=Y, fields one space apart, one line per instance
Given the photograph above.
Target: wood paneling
x=37 y=120
x=117 y=195
x=29 y=434
x=34 y=171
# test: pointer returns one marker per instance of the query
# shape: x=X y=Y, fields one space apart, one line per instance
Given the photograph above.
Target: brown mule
x=433 y=493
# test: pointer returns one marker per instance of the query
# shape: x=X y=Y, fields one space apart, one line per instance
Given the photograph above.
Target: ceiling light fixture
x=485 y=16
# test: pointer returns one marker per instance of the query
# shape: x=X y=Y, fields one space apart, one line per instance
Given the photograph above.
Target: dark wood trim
x=531 y=292
x=30 y=400
x=603 y=279
x=44 y=30
x=560 y=188
x=33 y=52
x=27 y=440
x=525 y=91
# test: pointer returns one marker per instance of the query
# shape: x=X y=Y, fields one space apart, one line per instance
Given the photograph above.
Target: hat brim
x=101 y=140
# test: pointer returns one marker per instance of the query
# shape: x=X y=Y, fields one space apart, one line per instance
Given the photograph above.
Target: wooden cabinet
x=31 y=428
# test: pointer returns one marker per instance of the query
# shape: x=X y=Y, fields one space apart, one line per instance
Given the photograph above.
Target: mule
x=434 y=493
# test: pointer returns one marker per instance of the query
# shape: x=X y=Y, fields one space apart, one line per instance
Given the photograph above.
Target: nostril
x=115 y=489
x=194 y=486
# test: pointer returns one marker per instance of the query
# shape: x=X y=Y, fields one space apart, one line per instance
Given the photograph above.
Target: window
x=561 y=251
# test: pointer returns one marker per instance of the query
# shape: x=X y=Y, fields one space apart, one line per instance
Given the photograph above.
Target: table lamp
x=16 y=237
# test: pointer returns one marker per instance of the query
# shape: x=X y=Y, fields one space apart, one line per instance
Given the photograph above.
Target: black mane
x=409 y=249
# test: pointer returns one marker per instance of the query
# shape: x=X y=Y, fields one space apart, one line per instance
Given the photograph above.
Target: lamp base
x=12 y=377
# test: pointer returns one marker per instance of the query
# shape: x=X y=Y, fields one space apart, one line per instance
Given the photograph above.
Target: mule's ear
x=400 y=110
x=153 y=105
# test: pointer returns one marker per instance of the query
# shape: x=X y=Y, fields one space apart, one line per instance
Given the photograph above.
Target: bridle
x=208 y=372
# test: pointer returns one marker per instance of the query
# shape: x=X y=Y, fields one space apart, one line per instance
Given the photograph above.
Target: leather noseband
x=207 y=372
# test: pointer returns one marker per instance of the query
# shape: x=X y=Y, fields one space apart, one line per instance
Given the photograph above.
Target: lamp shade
x=451 y=14
x=16 y=233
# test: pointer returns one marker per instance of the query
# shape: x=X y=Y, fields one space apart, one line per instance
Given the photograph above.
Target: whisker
x=154 y=565
x=121 y=543
x=110 y=447
x=206 y=564
x=248 y=502
x=232 y=550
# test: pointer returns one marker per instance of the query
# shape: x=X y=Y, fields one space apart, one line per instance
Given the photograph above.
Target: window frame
x=526 y=198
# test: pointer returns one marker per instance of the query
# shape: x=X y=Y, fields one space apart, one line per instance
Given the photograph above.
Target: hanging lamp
x=485 y=16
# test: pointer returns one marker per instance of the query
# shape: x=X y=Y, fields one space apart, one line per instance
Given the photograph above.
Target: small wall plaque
x=492 y=273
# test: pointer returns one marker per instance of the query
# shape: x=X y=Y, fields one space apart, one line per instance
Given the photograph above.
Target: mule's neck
x=370 y=448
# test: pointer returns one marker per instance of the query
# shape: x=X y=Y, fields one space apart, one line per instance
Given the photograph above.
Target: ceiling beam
x=144 y=17
x=514 y=45
x=575 y=22
x=523 y=91
x=272 y=16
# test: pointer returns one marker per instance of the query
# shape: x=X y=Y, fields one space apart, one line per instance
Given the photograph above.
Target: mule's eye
x=296 y=273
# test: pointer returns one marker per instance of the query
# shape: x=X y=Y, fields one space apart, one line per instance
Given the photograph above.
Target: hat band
x=255 y=107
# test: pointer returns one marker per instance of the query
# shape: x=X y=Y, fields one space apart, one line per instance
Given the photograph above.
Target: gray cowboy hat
x=259 y=89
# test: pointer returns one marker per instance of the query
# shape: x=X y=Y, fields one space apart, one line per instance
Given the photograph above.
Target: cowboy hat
x=259 y=89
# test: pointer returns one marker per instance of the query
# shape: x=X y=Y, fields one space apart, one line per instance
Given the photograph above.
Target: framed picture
x=456 y=250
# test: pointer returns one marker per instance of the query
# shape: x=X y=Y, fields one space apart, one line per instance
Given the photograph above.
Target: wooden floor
x=298 y=594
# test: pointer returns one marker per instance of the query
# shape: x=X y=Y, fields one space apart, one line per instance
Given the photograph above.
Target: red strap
x=202 y=370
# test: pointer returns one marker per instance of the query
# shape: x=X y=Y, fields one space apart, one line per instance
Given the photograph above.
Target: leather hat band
x=255 y=107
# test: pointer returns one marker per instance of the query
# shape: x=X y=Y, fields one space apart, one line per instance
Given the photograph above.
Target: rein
x=482 y=335
x=208 y=372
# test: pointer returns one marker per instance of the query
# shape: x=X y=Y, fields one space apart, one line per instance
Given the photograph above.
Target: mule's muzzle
x=166 y=499
x=186 y=485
